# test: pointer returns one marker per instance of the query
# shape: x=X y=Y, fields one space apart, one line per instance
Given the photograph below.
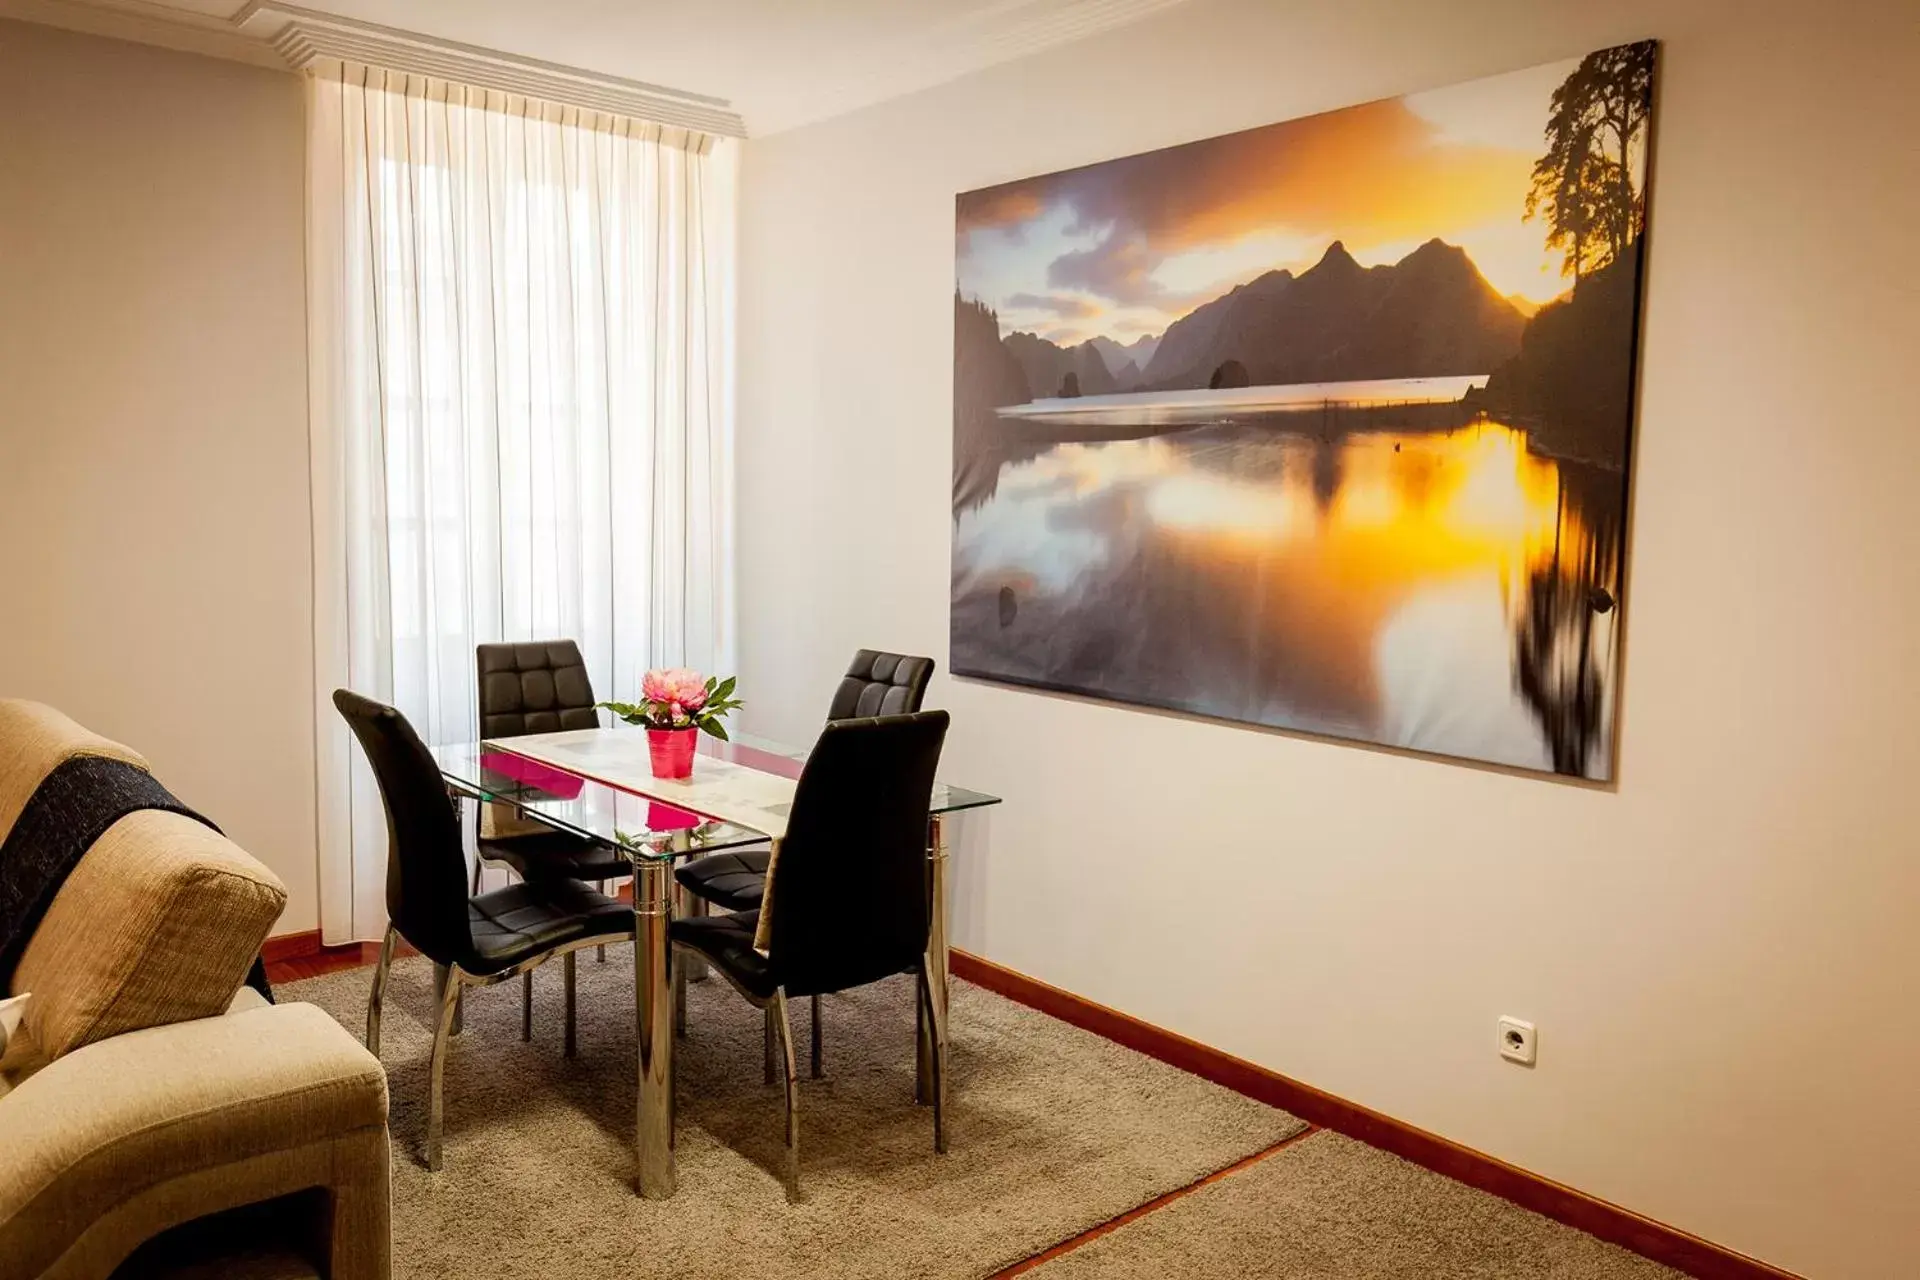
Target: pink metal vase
x=672 y=752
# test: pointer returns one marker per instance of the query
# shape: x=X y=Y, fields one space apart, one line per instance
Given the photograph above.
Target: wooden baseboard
x=1610 y=1222
x=292 y=946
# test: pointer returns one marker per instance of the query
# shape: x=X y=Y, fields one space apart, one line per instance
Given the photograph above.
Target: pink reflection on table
x=557 y=783
x=772 y=762
x=666 y=817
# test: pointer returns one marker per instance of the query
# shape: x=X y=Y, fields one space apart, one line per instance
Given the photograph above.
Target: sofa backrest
x=158 y=922
x=34 y=741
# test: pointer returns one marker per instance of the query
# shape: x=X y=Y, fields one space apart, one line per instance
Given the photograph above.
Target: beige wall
x=153 y=492
x=1722 y=953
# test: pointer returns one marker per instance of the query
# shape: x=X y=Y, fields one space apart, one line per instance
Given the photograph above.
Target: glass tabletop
x=642 y=827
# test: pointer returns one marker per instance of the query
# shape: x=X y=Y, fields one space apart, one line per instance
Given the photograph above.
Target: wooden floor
x=329 y=960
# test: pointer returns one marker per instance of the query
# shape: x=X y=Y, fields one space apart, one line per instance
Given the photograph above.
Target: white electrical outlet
x=1519 y=1042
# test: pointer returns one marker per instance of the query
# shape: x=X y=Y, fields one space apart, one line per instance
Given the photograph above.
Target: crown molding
x=303 y=37
x=289 y=37
x=142 y=22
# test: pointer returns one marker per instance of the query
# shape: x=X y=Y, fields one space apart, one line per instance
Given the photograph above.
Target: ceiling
x=781 y=63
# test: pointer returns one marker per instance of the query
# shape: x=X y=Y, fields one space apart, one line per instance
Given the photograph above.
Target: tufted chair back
x=540 y=686
x=881 y=684
x=849 y=886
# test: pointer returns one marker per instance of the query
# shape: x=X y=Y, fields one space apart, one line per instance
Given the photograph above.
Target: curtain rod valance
x=309 y=40
x=434 y=89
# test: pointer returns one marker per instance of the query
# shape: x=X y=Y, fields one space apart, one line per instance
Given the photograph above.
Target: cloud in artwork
x=999 y=207
x=1369 y=174
x=1120 y=267
x=1066 y=306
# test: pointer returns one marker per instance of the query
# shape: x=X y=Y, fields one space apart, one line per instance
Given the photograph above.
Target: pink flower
x=682 y=687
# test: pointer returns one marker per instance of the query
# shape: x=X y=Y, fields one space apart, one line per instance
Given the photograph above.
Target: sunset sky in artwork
x=1126 y=247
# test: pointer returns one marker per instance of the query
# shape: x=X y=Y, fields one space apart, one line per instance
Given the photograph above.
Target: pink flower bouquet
x=680 y=698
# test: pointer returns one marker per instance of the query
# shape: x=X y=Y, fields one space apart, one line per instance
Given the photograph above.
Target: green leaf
x=724 y=689
x=715 y=728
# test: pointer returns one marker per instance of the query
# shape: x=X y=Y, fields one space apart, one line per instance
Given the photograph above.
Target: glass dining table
x=584 y=782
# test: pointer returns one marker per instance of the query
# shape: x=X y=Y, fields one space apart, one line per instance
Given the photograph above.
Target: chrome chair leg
x=600 y=952
x=920 y=1031
x=936 y=1022
x=459 y=1003
x=673 y=1067
x=693 y=906
x=526 y=1005
x=817 y=1071
x=766 y=1044
x=443 y=1031
x=777 y=1017
x=568 y=966
x=377 y=997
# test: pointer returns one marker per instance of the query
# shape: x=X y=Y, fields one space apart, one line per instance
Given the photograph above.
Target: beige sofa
x=146 y=1088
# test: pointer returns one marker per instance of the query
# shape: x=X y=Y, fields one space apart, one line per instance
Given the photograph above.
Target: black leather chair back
x=426 y=868
x=881 y=684
x=849 y=888
x=537 y=687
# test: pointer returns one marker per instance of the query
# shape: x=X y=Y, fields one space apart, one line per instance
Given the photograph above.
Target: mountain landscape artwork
x=1321 y=426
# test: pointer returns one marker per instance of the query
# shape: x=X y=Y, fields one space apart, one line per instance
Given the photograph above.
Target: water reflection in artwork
x=1371 y=584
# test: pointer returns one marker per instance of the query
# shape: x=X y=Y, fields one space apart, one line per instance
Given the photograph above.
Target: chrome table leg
x=653 y=1012
x=932 y=1031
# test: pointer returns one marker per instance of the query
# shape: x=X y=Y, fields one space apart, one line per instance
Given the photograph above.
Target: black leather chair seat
x=524 y=920
x=735 y=881
x=727 y=940
x=557 y=856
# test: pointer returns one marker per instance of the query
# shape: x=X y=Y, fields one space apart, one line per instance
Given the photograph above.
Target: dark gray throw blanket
x=72 y=807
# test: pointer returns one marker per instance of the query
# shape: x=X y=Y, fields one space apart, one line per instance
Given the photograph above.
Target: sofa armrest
x=105 y=1146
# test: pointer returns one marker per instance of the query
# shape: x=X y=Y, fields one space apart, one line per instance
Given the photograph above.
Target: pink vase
x=672 y=752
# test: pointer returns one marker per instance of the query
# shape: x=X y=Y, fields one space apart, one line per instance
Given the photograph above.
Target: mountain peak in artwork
x=1337 y=258
x=1125 y=360
x=1047 y=366
x=1431 y=314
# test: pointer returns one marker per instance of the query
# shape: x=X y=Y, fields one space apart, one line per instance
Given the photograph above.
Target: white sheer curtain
x=520 y=357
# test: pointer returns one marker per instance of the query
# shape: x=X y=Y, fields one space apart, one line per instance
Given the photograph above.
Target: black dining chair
x=537 y=686
x=875 y=684
x=472 y=939
x=846 y=891
x=540 y=687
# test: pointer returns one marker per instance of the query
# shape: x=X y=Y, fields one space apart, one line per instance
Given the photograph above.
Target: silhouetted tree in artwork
x=1583 y=185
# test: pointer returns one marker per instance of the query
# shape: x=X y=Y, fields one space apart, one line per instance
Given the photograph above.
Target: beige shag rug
x=1052 y=1131
x=1329 y=1207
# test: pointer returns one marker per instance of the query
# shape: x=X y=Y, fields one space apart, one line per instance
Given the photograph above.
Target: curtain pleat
x=521 y=412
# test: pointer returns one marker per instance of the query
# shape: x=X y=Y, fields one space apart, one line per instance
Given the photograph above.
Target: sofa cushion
x=158 y=923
